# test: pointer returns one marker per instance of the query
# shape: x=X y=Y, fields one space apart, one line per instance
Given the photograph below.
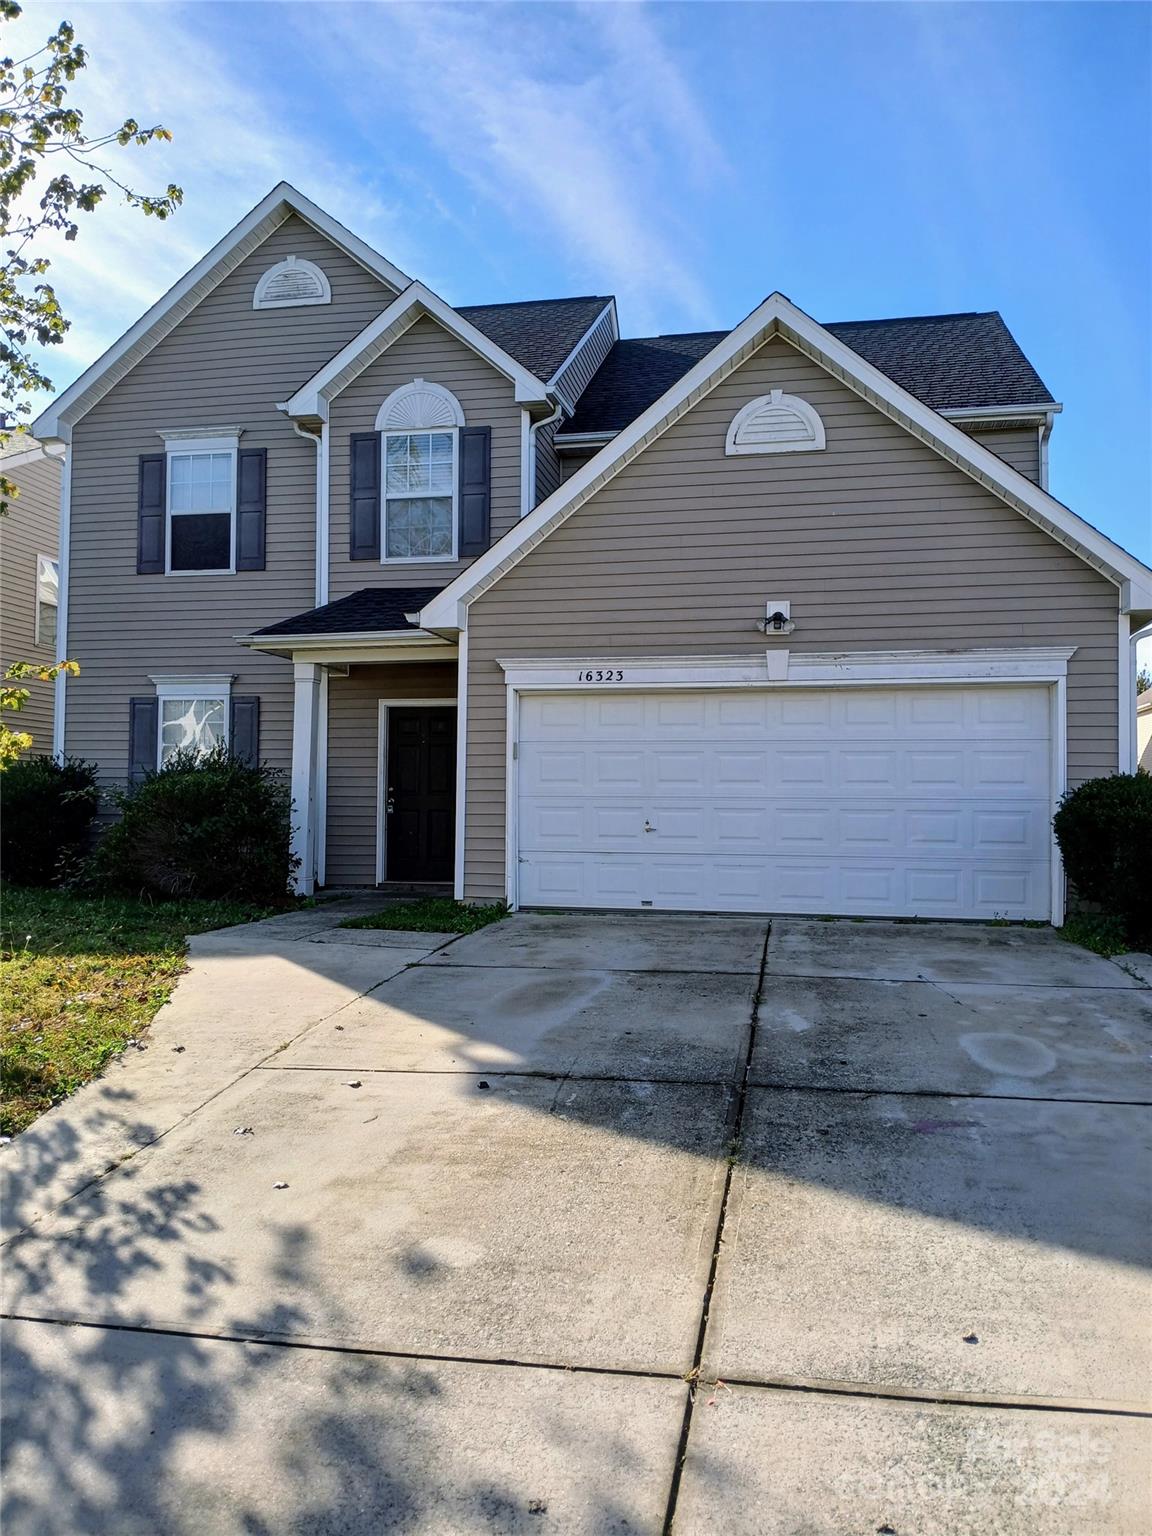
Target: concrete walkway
x=596 y=1224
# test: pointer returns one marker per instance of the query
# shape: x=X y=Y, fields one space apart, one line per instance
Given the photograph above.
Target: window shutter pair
x=251 y=511
x=144 y=735
x=474 y=483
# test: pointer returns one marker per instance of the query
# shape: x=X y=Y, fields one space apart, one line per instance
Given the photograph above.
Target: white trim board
x=777 y=316
x=311 y=399
x=384 y=705
x=224 y=257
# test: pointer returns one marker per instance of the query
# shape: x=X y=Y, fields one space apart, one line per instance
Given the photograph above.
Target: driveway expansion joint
x=693 y=1375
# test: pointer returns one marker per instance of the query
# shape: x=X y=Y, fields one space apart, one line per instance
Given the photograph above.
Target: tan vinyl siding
x=353 y=724
x=1018 y=446
x=486 y=397
x=878 y=542
x=225 y=364
x=31 y=529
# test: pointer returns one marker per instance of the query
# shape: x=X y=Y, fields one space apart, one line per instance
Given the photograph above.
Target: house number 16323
x=601 y=675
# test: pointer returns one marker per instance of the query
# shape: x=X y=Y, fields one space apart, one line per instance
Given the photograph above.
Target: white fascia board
x=393 y=641
x=311 y=399
x=582 y=439
x=28 y=456
x=778 y=315
x=227 y=254
x=1008 y=412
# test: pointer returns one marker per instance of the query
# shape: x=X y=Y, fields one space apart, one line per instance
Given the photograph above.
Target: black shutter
x=151 y=506
x=475 y=490
x=251 y=499
x=244 y=737
x=364 y=488
x=143 y=730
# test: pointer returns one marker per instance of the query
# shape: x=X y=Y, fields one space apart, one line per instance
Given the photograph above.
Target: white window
x=47 y=600
x=775 y=423
x=193 y=715
x=419 y=426
x=419 y=496
x=290 y=283
x=201 y=496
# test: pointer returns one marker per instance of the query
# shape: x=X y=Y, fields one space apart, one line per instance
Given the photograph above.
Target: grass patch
x=1105 y=935
x=81 y=976
x=432 y=914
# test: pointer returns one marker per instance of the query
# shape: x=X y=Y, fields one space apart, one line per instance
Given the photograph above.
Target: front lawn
x=432 y=914
x=80 y=977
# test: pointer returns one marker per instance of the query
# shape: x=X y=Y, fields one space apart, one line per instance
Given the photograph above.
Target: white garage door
x=872 y=801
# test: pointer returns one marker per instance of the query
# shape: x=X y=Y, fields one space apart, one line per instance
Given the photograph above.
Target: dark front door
x=420 y=794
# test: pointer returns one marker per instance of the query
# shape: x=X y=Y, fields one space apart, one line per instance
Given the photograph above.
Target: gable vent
x=292 y=282
x=775 y=423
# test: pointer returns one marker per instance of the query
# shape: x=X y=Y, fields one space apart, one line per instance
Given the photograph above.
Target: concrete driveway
x=597 y=1224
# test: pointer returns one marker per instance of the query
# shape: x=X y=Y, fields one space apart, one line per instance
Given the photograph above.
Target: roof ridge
x=953 y=314
x=575 y=298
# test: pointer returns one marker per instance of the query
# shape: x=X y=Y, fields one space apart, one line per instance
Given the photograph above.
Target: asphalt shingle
x=950 y=362
x=539 y=333
x=368 y=611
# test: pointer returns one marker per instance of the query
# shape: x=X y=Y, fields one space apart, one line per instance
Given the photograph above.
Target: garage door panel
x=929 y=801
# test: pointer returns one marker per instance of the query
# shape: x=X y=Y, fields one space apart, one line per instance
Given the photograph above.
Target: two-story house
x=30 y=577
x=782 y=618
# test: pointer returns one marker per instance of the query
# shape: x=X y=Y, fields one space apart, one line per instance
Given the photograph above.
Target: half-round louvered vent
x=291 y=282
x=775 y=423
x=419 y=405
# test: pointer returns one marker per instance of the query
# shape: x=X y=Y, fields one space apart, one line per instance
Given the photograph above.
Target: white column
x=305 y=720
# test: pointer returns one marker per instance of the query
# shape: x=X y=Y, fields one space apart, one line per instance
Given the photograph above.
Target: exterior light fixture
x=777 y=618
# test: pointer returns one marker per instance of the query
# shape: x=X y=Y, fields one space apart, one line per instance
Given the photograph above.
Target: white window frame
x=177 y=445
x=40 y=598
x=385 y=557
x=214 y=686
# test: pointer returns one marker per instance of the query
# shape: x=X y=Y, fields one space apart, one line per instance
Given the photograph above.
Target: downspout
x=319 y=441
x=545 y=421
x=63 y=555
x=1045 y=434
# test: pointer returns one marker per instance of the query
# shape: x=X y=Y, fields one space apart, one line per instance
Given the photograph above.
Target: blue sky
x=866 y=159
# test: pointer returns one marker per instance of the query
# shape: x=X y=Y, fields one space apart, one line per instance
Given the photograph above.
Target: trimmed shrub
x=204 y=826
x=46 y=812
x=1104 y=828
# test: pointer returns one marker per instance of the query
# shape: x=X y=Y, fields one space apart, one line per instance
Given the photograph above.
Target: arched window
x=290 y=283
x=419 y=428
x=775 y=423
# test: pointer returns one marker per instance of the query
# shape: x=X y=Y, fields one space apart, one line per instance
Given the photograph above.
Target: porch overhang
x=348 y=649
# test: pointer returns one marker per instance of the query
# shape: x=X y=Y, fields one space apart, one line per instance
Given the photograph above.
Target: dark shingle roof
x=950 y=362
x=368 y=611
x=539 y=333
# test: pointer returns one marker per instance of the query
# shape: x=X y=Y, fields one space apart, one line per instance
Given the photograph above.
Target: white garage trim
x=777 y=669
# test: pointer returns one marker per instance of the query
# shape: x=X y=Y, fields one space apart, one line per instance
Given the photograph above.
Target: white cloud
x=562 y=116
x=229 y=148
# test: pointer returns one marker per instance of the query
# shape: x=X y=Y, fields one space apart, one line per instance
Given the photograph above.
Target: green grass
x=432 y=914
x=80 y=977
x=1105 y=935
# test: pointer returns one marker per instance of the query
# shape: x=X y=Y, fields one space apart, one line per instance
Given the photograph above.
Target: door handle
x=389 y=804
x=648 y=827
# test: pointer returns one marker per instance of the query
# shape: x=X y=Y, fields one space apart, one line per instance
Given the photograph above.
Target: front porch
x=375 y=743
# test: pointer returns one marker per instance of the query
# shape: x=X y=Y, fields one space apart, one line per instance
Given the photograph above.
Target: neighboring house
x=1144 y=730
x=775 y=619
x=30 y=585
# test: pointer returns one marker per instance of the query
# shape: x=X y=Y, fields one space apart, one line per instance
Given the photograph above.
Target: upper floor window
x=290 y=283
x=201 y=504
x=419 y=426
x=775 y=423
